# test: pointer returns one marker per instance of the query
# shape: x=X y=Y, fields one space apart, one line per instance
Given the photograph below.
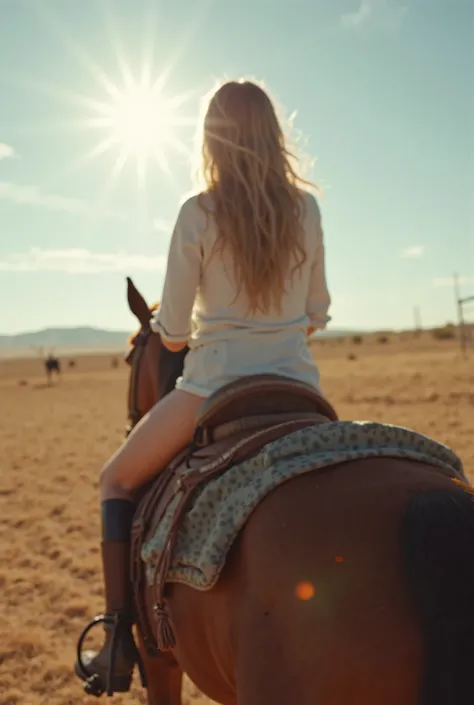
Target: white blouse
x=199 y=301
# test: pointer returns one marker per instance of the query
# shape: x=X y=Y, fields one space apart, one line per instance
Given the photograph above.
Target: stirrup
x=93 y=683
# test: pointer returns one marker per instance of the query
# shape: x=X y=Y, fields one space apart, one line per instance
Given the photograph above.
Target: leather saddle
x=233 y=424
x=254 y=402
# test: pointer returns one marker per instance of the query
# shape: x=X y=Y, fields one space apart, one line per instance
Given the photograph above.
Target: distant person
x=245 y=284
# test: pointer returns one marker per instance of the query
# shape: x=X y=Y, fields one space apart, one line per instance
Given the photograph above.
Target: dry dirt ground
x=54 y=440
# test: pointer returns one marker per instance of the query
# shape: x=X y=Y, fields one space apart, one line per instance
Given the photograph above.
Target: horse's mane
x=131 y=338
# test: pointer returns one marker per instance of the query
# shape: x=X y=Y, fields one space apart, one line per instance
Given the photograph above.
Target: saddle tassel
x=165 y=639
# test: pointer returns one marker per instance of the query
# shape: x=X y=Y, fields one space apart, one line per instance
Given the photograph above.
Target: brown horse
x=352 y=586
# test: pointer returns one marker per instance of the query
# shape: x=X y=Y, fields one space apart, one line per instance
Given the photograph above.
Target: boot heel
x=121 y=684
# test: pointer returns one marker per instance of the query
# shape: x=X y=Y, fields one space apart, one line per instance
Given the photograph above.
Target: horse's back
x=312 y=605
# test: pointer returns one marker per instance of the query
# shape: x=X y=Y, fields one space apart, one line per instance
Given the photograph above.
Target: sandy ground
x=54 y=440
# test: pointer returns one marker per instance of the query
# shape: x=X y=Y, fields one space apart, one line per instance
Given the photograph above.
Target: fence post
x=460 y=301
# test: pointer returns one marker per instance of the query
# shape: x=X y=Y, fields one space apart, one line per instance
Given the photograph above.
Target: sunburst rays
x=136 y=121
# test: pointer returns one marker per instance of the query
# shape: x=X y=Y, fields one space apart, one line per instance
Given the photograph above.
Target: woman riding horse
x=245 y=284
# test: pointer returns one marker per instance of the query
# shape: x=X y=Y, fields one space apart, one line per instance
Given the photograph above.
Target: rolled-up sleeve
x=318 y=300
x=183 y=273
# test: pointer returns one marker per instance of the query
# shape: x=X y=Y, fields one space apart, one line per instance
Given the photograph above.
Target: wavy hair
x=247 y=167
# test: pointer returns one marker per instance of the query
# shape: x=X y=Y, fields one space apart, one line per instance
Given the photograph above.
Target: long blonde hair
x=247 y=167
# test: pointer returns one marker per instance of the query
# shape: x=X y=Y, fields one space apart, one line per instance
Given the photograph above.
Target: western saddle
x=233 y=424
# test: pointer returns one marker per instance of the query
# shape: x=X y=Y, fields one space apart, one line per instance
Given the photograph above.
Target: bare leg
x=154 y=442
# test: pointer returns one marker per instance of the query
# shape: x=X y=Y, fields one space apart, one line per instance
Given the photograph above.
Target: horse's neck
x=171 y=367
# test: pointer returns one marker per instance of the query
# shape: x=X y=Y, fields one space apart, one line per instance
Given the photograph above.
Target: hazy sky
x=384 y=94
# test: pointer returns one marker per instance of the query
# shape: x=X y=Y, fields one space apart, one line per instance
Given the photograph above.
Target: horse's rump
x=185 y=536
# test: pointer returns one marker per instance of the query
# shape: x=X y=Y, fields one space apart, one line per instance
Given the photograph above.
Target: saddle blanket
x=220 y=507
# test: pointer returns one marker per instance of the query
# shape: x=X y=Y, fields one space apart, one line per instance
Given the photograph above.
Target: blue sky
x=384 y=94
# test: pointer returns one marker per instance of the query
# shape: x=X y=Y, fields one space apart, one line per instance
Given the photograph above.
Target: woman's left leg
x=150 y=447
x=160 y=435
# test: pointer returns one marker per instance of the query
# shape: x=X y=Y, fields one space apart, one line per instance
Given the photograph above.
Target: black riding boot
x=111 y=668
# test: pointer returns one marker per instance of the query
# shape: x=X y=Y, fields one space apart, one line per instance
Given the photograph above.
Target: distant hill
x=72 y=340
x=69 y=339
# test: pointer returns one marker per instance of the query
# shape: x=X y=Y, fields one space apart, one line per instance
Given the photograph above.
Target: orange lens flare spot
x=339 y=559
x=305 y=591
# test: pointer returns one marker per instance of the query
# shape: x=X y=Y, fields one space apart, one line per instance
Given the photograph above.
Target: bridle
x=134 y=358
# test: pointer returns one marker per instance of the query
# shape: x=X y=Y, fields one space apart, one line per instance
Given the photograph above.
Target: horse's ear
x=137 y=304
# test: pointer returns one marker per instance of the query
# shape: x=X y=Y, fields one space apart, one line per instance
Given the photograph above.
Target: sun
x=140 y=122
x=137 y=123
x=137 y=118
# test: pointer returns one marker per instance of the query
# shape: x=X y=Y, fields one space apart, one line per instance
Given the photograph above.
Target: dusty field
x=54 y=440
